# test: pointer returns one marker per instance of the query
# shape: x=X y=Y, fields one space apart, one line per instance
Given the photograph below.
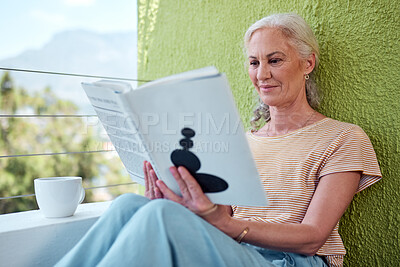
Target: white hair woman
x=300 y=37
x=311 y=166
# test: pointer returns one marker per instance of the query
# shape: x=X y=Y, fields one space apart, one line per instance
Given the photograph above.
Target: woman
x=311 y=167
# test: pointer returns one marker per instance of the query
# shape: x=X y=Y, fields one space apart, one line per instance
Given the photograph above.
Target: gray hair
x=302 y=38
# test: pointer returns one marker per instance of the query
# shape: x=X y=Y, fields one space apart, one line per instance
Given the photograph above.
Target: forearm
x=333 y=195
x=297 y=238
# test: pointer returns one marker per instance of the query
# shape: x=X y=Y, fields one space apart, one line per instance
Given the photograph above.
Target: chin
x=267 y=100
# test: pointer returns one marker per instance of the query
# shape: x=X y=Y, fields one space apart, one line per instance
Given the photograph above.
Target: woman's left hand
x=192 y=196
x=150 y=179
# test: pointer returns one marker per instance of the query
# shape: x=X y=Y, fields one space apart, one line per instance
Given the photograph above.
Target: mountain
x=77 y=52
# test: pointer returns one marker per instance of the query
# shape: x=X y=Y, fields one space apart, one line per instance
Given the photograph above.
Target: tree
x=34 y=135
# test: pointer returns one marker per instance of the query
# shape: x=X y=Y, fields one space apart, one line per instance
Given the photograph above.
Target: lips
x=267 y=87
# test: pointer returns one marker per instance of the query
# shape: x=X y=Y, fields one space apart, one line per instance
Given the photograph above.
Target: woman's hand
x=193 y=197
x=150 y=178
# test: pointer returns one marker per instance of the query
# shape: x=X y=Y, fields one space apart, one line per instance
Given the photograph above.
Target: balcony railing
x=99 y=185
x=28 y=238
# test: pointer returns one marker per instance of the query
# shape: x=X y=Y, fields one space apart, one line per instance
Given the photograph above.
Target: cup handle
x=82 y=195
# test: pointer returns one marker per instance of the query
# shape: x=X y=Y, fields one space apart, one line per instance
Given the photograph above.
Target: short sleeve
x=234 y=208
x=352 y=151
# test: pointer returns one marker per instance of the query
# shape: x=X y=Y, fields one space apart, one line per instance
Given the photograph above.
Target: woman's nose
x=263 y=72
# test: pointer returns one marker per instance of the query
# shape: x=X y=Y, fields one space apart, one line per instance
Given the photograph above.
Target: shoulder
x=350 y=149
x=340 y=125
x=347 y=138
x=342 y=129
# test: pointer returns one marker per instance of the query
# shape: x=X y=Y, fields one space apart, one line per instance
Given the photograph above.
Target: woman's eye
x=253 y=63
x=275 y=61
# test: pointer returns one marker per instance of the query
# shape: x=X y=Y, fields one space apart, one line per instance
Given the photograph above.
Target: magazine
x=189 y=119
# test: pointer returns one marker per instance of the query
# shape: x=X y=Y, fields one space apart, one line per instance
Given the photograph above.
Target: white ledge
x=30 y=239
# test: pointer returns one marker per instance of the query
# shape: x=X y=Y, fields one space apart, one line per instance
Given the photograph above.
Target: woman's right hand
x=151 y=189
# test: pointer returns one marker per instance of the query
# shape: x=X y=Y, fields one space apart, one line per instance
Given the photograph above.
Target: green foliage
x=36 y=135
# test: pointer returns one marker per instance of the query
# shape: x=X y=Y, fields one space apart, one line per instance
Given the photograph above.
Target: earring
x=306 y=76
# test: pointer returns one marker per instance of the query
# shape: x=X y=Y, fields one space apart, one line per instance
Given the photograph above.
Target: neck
x=285 y=120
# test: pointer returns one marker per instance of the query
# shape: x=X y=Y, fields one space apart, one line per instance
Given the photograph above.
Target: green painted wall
x=359 y=77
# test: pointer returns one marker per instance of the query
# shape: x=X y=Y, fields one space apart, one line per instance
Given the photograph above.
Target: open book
x=188 y=119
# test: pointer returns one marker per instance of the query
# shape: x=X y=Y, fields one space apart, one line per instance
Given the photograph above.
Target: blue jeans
x=135 y=231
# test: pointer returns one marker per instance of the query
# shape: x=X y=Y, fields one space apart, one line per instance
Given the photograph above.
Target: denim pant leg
x=163 y=233
x=97 y=241
x=137 y=232
x=287 y=259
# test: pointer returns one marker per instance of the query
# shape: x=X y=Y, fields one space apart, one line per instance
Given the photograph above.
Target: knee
x=128 y=201
x=165 y=210
x=168 y=218
x=164 y=205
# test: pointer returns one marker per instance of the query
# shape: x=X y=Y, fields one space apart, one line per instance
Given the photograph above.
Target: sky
x=29 y=24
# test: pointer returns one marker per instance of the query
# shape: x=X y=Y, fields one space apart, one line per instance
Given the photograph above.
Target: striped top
x=291 y=165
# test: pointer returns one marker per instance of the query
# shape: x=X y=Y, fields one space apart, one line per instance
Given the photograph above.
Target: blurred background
x=47 y=125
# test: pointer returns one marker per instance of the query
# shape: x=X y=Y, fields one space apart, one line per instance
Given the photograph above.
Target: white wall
x=29 y=239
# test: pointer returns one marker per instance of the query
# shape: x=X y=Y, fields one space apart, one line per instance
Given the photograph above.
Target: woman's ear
x=310 y=63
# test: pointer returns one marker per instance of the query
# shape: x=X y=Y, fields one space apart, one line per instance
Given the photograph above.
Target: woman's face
x=276 y=69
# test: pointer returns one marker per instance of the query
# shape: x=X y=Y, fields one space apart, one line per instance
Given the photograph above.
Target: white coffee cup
x=59 y=196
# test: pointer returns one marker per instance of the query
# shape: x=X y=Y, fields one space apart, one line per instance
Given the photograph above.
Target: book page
x=119 y=127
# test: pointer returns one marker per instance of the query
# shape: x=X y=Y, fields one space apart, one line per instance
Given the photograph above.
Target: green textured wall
x=358 y=77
